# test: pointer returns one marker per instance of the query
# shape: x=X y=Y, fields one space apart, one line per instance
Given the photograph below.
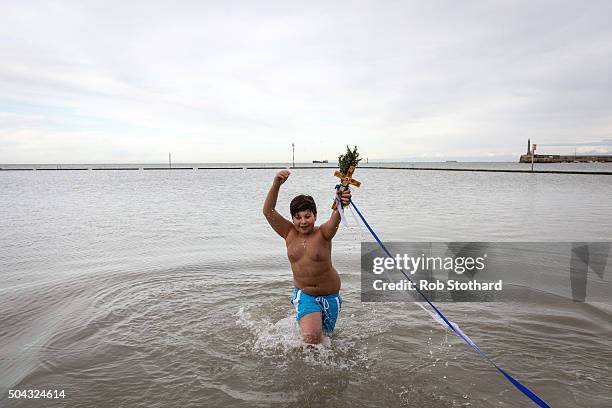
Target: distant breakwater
x=556 y=158
x=308 y=167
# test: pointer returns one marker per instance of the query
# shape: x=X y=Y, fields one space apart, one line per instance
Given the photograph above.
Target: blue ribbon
x=453 y=327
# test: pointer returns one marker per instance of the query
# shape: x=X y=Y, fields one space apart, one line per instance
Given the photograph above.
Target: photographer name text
x=449 y=285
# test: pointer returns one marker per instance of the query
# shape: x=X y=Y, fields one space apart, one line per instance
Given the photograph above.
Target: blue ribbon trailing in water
x=454 y=327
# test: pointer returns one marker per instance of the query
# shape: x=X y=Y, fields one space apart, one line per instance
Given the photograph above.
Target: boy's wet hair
x=302 y=203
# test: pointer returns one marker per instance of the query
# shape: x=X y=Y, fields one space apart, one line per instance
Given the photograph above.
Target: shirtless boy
x=316 y=295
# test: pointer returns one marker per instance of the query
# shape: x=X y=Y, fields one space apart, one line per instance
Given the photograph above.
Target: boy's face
x=304 y=221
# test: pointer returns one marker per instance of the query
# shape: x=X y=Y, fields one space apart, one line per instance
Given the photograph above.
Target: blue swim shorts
x=328 y=305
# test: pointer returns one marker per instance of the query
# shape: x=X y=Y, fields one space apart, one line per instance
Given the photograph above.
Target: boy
x=315 y=297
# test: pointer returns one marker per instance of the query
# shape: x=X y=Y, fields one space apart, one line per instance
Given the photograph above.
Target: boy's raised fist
x=282 y=176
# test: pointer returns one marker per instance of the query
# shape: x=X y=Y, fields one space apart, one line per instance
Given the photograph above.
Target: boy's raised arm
x=330 y=227
x=280 y=224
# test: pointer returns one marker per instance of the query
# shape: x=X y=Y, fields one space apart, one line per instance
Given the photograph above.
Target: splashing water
x=283 y=340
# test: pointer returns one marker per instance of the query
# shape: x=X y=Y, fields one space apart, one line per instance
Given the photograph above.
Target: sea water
x=168 y=288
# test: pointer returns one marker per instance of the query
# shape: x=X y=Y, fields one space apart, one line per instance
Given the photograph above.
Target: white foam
x=283 y=335
x=283 y=339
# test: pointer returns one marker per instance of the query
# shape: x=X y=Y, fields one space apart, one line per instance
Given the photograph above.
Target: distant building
x=557 y=158
x=528 y=146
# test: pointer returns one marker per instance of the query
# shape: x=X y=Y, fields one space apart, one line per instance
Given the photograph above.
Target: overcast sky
x=225 y=81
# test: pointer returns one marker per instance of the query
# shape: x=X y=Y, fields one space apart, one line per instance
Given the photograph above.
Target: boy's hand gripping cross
x=345 y=180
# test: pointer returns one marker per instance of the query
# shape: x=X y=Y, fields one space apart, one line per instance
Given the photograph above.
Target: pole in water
x=170 y=160
x=293 y=155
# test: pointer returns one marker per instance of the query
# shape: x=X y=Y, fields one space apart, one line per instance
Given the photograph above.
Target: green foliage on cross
x=350 y=158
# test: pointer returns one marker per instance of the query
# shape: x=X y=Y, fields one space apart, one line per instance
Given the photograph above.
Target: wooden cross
x=345 y=180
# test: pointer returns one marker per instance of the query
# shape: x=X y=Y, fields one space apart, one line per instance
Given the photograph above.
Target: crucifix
x=345 y=180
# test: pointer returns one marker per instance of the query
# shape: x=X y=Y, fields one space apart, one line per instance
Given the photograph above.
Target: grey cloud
x=442 y=76
x=603 y=142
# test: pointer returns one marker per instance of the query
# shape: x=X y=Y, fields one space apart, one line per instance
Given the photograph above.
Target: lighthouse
x=528 y=146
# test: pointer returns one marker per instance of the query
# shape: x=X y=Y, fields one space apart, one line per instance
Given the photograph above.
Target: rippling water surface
x=168 y=288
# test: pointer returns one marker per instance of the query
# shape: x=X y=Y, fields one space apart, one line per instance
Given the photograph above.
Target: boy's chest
x=307 y=249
